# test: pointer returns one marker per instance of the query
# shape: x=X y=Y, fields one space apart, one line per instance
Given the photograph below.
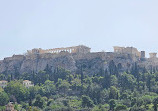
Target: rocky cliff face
x=91 y=63
x=36 y=63
x=30 y=63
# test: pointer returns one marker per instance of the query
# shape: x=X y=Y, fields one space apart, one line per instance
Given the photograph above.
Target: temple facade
x=75 y=49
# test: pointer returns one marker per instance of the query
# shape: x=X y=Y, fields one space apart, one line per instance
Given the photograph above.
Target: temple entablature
x=75 y=49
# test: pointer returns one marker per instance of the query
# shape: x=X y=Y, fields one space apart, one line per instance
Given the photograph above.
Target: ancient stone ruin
x=75 y=49
x=10 y=107
x=128 y=50
x=133 y=51
x=81 y=49
x=153 y=55
x=72 y=58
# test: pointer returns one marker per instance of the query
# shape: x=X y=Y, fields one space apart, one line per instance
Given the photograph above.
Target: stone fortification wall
x=46 y=55
x=89 y=55
x=127 y=50
x=14 y=57
x=18 y=57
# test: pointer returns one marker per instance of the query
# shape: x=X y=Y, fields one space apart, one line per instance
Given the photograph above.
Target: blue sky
x=99 y=24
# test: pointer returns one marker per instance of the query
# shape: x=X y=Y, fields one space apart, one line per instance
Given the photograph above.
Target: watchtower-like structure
x=142 y=53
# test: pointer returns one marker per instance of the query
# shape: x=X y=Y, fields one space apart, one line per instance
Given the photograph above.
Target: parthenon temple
x=75 y=49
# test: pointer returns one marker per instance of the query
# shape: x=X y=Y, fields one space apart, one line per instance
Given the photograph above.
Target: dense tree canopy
x=110 y=89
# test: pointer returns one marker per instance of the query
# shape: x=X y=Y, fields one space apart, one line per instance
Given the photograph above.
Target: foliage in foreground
x=62 y=91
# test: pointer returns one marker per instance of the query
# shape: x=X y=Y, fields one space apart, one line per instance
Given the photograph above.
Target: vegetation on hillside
x=60 y=90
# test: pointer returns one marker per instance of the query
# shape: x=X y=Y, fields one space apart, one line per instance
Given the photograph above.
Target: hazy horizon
x=100 y=25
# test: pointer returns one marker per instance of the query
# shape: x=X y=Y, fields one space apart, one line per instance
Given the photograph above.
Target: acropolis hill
x=72 y=58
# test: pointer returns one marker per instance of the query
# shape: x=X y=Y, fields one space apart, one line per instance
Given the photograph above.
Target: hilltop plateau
x=77 y=57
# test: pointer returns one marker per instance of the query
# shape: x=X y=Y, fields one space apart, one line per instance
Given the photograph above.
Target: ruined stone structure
x=10 y=107
x=153 y=55
x=75 y=49
x=118 y=49
x=129 y=50
x=71 y=58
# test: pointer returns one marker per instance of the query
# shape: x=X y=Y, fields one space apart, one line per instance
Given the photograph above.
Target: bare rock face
x=76 y=58
x=91 y=63
x=11 y=64
x=36 y=63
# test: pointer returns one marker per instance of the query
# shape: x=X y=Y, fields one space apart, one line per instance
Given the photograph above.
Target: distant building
x=27 y=83
x=153 y=55
x=74 y=49
x=3 y=83
x=10 y=107
x=129 y=50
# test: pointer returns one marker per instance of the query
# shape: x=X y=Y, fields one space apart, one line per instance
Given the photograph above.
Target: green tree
x=155 y=102
x=87 y=102
x=113 y=68
x=114 y=93
x=4 y=99
x=1 y=89
x=76 y=84
x=2 y=77
x=30 y=108
x=49 y=88
x=106 y=82
x=137 y=108
x=41 y=77
x=94 y=92
x=34 y=91
x=112 y=104
x=114 y=80
x=64 y=86
x=127 y=81
x=99 y=108
x=120 y=107
x=17 y=89
x=39 y=102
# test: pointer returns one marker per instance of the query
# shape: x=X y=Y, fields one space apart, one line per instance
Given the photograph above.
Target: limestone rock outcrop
x=91 y=62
